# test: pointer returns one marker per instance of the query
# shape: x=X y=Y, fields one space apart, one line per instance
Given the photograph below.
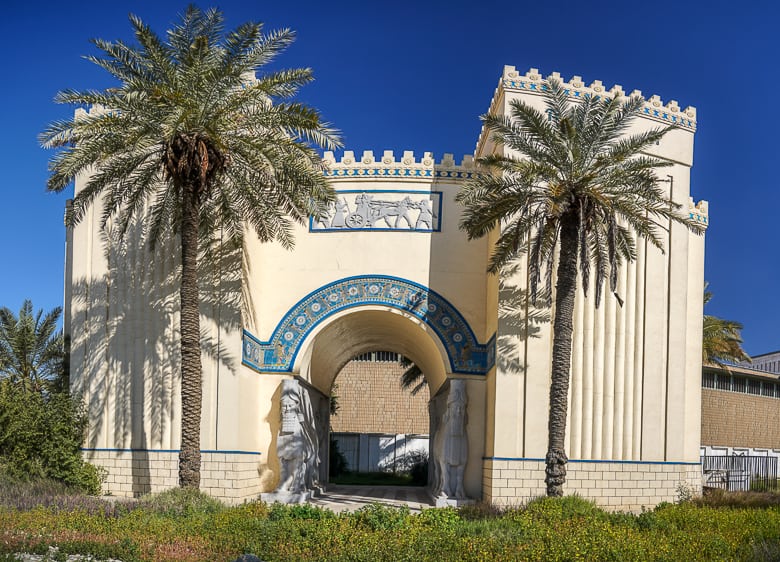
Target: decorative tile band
x=593 y=461
x=404 y=211
x=464 y=352
x=388 y=167
x=659 y=114
x=397 y=173
x=109 y=450
x=532 y=81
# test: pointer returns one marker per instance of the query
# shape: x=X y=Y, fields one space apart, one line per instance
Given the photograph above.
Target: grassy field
x=181 y=525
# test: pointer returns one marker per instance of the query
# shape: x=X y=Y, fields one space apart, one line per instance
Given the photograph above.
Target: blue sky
x=416 y=76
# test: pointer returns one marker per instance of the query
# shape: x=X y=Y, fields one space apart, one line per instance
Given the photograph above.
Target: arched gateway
x=388 y=268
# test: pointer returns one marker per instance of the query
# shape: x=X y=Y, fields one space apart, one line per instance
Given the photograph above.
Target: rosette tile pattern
x=465 y=353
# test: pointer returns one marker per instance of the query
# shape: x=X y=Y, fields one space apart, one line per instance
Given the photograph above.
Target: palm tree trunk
x=565 y=291
x=191 y=383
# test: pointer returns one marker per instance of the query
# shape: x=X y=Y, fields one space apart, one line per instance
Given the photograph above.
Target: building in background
x=390 y=431
x=769 y=362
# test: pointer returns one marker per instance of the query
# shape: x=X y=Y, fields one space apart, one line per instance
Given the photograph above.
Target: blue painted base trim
x=166 y=451
x=593 y=461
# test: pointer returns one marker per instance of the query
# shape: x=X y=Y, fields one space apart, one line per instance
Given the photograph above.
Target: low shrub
x=40 y=437
x=565 y=507
x=547 y=529
x=181 y=502
x=381 y=518
x=305 y=511
x=29 y=494
x=715 y=497
x=480 y=511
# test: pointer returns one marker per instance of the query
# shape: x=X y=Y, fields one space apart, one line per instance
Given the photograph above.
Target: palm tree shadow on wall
x=125 y=351
x=520 y=318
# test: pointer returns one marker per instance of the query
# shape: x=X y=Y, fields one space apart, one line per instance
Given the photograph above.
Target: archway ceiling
x=362 y=331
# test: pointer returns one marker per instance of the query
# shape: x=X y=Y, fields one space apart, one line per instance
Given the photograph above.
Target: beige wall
x=371 y=400
x=635 y=375
x=619 y=486
x=736 y=419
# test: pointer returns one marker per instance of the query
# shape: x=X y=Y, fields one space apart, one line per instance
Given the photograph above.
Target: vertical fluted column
x=610 y=356
x=598 y=377
x=575 y=449
x=587 y=380
x=638 y=370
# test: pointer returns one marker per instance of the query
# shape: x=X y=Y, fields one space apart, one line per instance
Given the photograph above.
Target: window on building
x=768 y=389
x=723 y=382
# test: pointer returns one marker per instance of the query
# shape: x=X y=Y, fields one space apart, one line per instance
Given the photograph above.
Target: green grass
x=184 y=525
x=374 y=479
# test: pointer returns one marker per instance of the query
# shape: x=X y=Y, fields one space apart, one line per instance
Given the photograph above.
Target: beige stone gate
x=388 y=268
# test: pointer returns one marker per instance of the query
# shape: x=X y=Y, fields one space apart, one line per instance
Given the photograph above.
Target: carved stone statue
x=369 y=211
x=340 y=211
x=297 y=445
x=450 y=447
x=425 y=218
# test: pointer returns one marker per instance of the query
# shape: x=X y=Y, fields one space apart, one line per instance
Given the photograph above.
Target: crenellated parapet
x=668 y=113
x=699 y=212
x=387 y=166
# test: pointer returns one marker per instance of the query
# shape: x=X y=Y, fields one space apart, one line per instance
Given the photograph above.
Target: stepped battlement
x=699 y=212
x=387 y=166
x=668 y=113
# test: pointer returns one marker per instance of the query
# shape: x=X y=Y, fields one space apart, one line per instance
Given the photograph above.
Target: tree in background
x=190 y=133
x=41 y=426
x=722 y=341
x=576 y=194
x=31 y=348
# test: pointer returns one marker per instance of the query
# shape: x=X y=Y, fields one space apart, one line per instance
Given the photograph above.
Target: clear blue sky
x=416 y=76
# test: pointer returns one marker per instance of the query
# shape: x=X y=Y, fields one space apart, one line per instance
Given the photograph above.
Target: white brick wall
x=229 y=476
x=623 y=486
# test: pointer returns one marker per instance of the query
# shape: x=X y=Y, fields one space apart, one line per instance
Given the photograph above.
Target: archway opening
x=383 y=440
x=378 y=427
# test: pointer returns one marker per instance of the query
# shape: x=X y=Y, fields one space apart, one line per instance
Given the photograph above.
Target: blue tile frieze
x=465 y=353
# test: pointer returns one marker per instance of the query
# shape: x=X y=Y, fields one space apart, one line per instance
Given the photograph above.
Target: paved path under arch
x=340 y=498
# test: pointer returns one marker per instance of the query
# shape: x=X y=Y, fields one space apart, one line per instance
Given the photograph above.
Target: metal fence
x=740 y=473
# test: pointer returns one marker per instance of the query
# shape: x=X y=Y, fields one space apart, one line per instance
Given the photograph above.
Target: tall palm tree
x=192 y=133
x=721 y=341
x=31 y=348
x=575 y=188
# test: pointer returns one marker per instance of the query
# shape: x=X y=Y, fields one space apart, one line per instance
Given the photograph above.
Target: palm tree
x=193 y=134
x=31 y=348
x=578 y=190
x=722 y=342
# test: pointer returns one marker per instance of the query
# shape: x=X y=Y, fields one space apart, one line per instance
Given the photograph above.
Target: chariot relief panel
x=416 y=211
